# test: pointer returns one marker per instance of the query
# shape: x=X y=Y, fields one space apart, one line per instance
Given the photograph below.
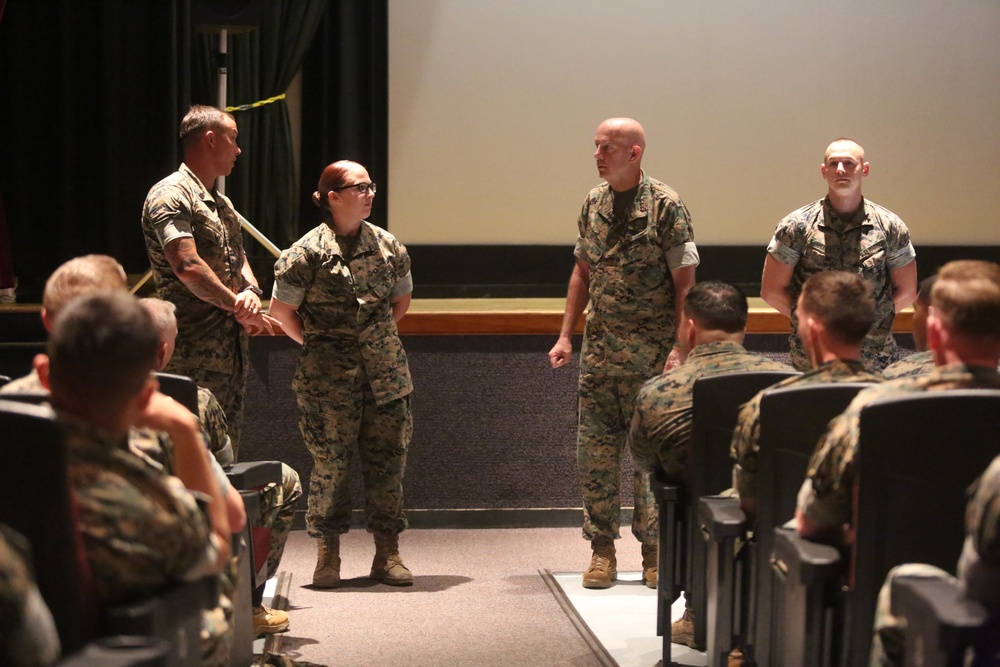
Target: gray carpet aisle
x=478 y=599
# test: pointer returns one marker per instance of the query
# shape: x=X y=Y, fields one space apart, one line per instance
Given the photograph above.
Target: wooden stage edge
x=761 y=321
x=450 y=317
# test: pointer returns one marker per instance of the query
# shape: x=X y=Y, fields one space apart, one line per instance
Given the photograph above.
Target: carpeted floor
x=478 y=599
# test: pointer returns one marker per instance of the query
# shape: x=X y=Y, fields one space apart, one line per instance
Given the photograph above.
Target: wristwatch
x=253 y=288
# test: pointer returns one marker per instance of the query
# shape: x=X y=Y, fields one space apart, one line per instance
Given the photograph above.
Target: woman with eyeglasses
x=339 y=291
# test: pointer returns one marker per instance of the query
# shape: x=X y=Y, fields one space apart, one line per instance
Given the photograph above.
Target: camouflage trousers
x=888 y=642
x=381 y=435
x=605 y=414
x=229 y=390
x=277 y=510
x=876 y=353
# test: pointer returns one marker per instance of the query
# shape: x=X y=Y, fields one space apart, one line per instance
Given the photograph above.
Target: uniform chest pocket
x=337 y=281
x=377 y=284
x=872 y=257
x=814 y=255
x=642 y=263
x=206 y=226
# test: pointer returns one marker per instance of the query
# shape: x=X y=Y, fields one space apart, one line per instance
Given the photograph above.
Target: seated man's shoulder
x=29 y=384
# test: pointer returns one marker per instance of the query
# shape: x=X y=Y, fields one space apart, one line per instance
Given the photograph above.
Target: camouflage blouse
x=632 y=320
x=180 y=206
x=141 y=527
x=345 y=302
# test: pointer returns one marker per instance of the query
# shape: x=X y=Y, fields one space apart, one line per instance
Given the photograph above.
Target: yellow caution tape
x=244 y=107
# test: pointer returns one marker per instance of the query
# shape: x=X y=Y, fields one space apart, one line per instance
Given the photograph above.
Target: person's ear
x=692 y=333
x=937 y=335
x=41 y=364
x=864 y=168
x=822 y=169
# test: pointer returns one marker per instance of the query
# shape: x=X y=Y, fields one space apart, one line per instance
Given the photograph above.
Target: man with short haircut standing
x=635 y=262
x=195 y=245
x=843 y=232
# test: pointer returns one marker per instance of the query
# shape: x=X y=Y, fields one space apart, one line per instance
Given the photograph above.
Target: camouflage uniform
x=826 y=495
x=277 y=500
x=155 y=451
x=212 y=347
x=660 y=434
x=978 y=568
x=214 y=430
x=141 y=527
x=920 y=363
x=631 y=327
x=745 y=447
x=28 y=634
x=871 y=243
x=352 y=380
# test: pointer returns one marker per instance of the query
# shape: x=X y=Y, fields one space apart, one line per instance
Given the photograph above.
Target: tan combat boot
x=327 y=573
x=603 y=570
x=650 y=564
x=387 y=566
x=682 y=630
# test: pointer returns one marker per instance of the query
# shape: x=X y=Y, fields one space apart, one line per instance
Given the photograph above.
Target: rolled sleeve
x=782 y=252
x=402 y=287
x=686 y=254
x=293 y=296
x=827 y=510
x=899 y=258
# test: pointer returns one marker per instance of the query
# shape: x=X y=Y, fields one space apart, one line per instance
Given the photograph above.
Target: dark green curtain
x=88 y=123
x=261 y=64
x=345 y=100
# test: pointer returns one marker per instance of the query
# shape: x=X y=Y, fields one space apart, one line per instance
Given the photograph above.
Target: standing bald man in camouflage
x=635 y=261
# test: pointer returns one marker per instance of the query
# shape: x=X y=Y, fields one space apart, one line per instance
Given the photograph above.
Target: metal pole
x=220 y=183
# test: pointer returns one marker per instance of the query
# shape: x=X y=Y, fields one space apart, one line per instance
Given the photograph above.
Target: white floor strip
x=623 y=619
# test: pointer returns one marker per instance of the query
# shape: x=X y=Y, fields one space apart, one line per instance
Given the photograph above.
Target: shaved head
x=625 y=131
x=845 y=145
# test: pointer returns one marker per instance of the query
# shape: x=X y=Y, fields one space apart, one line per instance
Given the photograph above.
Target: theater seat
x=716 y=403
x=909 y=507
x=792 y=419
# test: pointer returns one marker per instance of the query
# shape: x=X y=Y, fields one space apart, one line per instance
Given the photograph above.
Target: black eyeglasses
x=362 y=188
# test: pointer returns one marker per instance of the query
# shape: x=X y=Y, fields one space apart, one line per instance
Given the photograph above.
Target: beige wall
x=493 y=106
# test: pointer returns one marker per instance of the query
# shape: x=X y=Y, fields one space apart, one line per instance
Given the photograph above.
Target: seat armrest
x=938 y=611
x=721 y=517
x=803 y=561
x=173 y=615
x=120 y=651
x=254 y=474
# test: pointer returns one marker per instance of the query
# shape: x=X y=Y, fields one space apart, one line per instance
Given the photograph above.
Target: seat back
x=919 y=455
x=792 y=420
x=716 y=405
x=36 y=502
x=181 y=388
x=717 y=400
